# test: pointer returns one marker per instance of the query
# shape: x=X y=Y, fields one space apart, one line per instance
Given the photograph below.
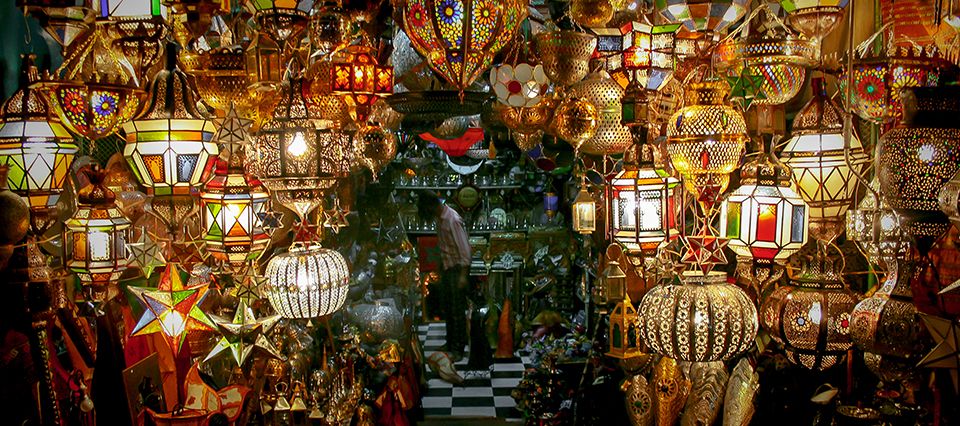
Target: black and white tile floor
x=484 y=393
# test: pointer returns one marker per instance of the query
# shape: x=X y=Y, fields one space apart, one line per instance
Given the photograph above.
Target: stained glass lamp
x=34 y=144
x=360 y=79
x=648 y=53
x=642 y=203
x=95 y=238
x=307 y=282
x=878 y=81
x=169 y=147
x=233 y=200
x=704 y=16
x=823 y=173
x=814 y=18
x=459 y=38
x=779 y=60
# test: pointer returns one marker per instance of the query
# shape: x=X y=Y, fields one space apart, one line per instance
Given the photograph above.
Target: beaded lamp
x=307 y=282
x=95 y=236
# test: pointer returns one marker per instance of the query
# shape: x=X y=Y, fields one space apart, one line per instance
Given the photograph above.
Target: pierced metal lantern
x=459 y=38
x=611 y=136
x=779 y=60
x=565 y=55
x=702 y=319
x=642 y=204
x=917 y=158
x=169 y=146
x=810 y=316
x=822 y=170
x=878 y=81
x=34 y=144
x=95 y=237
x=887 y=322
x=307 y=282
x=648 y=53
x=813 y=18
x=706 y=139
x=221 y=77
x=705 y=16
x=360 y=80
x=283 y=19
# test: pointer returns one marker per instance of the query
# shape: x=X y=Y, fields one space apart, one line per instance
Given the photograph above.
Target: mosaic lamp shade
x=648 y=53
x=879 y=81
x=642 y=198
x=779 y=60
x=96 y=90
x=34 y=144
x=916 y=159
x=283 y=19
x=764 y=219
x=459 y=38
x=702 y=319
x=705 y=16
x=706 y=139
x=822 y=171
x=307 y=282
x=360 y=79
x=169 y=146
x=95 y=237
x=813 y=18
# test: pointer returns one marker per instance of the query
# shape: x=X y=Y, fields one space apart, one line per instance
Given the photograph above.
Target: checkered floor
x=485 y=393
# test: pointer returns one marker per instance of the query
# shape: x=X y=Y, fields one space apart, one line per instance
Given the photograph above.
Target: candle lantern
x=95 y=237
x=584 y=211
x=623 y=338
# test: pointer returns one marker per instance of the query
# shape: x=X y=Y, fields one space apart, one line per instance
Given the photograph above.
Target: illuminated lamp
x=360 y=80
x=648 y=53
x=584 y=211
x=702 y=16
x=307 y=282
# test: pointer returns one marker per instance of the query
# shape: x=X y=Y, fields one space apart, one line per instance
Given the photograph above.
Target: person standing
x=455 y=256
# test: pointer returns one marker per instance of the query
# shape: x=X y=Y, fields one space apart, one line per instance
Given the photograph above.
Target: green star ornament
x=244 y=334
x=172 y=309
x=746 y=88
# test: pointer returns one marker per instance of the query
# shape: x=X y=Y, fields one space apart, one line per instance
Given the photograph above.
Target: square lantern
x=648 y=52
x=642 y=206
x=95 y=237
x=765 y=222
x=264 y=60
x=584 y=212
x=623 y=335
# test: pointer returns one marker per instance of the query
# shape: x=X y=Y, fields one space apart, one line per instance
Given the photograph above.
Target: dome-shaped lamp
x=307 y=282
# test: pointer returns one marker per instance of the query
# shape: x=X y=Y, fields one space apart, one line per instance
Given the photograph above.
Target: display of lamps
x=814 y=18
x=565 y=55
x=95 y=91
x=34 y=145
x=232 y=201
x=642 y=204
x=823 y=165
x=307 y=282
x=810 y=316
x=879 y=80
x=702 y=319
x=459 y=38
x=704 y=16
x=95 y=237
x=777 y=57
x=611 y=136
x=917 y=158
x=359 y=78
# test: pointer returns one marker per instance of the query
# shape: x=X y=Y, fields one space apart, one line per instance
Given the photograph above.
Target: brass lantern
x=360 y=80
x=611 y=136
x=823 y=172
x=623 y=336
x=95 y=238
x=814 y=18
x=565 y=55
x=584 y=211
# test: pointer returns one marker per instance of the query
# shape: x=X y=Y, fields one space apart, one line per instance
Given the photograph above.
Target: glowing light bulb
x=926 y=153
x=298 y=146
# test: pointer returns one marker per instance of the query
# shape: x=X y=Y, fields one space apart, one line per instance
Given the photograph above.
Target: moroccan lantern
x=704 y=16
x=34 y=144
x=459 y=38
x=591 y=13
x=307 y=282
x=565 y=55
x=918 y=157
x=284 y=20
x=375 y=147
x=330 y=27
x=648 y=53
x=96 y=91
x=642 y=200
x=778 y=59
x=810 y=316
x=169 y=145
x=706 y=140
x=614 y=280
x=623 y=336
x=519 y=85
x=63 y=21
x=823 y=168
x=172 y=309
x=264 y=60
x=95 y=238
x=232 y=201
x=702 y=319
x=576 y=121
x=584 y=211
x=360 y=80
x=814 y=18
x=221 y=77
x=611 y=136
x=878 y=81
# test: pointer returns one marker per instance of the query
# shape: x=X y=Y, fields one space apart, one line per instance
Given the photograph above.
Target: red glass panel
x=767 y=222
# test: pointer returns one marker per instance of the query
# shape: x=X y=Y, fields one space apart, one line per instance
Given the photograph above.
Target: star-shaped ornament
x=271 y=220
x=946 y=334
x=246 y=287
x=146 y=254
x=172 y=308
x=704 y=251
x=244 y=334
x=746 y=88
x=335 y=219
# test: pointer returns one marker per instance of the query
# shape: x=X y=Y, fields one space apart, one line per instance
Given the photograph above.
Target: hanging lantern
x=778 y=59
x=95 y=239
x=611 y=137
x=140 y=40
x=576 y=121
x=814 y=18
x=232 y=201
x=614 y=281
x=642 y=198
x=221 y=77
x=648 y=53
x=917 y=158
x=565 y=55
x=822 y=171
x=63 y=21
x=97 y=90
x=459 y=38
x=375 y=147
x=591 y=13
x=307 y=282
x=879 y=81
x=172 y=309
x=361 y=80
x=810 y=316
x=584 y=212
x=520 y=85
x=264 y=62
x=706 y=140
x=169 y=146
x=702 y=319
x=623 y=338
x=284 y=20
x=704 y=16
x=34 y=144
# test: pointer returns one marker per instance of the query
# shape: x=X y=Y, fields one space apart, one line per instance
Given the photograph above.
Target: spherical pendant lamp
x=307 y=282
